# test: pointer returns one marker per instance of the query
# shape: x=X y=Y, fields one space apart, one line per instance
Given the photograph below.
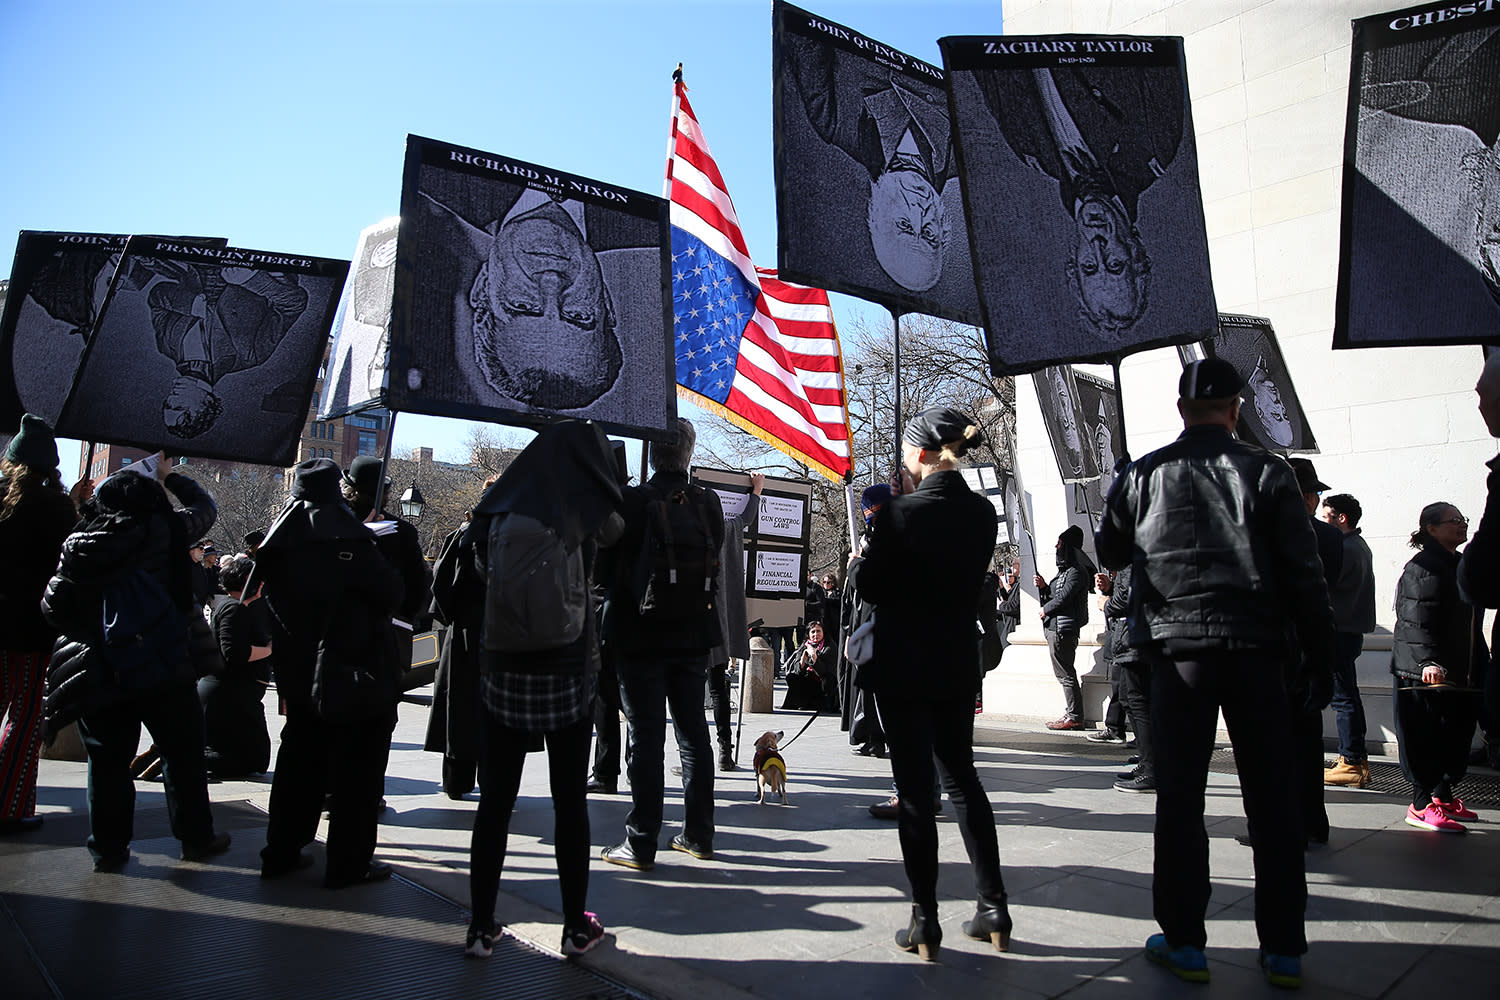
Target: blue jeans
x=648 y=685
x=1348 y=710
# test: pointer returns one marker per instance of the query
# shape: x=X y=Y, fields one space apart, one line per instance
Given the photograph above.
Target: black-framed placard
x=1099 y=402
x=1062 y=415
x=525 y=294
x=785 y=505
x=1080 y=183
x=989 y=481
x=867 y=194
x=1271 y=413
x=205 y=351
x=1419 y=255
x=59 y=281
x=774 y=574
x=360 y=356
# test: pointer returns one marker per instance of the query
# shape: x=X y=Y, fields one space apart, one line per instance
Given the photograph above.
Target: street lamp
x=412 y=502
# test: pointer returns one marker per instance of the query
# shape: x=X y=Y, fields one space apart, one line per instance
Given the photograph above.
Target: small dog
x=770 y=769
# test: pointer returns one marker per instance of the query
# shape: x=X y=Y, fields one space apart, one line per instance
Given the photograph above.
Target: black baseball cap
x=1211 y=378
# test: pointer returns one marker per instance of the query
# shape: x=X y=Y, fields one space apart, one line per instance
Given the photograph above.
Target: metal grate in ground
x=165 y=928
x=1479 y=788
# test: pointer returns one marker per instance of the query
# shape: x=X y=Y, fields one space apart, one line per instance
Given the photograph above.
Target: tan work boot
x=1345 y=774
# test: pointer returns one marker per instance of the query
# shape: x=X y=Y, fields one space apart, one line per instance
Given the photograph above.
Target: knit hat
x=1072 y=538
x=940 y=425
x=1211 y=378
x=33 y=444
x=317 y=480
x=875 y=496
x=364 y=475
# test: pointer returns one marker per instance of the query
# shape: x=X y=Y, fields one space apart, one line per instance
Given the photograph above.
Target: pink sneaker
x=1434 y=819
x=1455 y=809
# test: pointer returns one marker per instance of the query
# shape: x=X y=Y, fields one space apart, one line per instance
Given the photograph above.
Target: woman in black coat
x=35 y=516
x=567 y=480
x=1438 y=658
x=236 y=742
x=927 y=558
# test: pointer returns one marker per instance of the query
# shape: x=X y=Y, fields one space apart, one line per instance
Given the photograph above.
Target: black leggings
x=918 y=730
x=504 y=753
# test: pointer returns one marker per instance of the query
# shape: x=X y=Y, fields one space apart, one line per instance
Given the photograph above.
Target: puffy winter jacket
x=1117 y=620
x=1065 y=601
x=1433 y=623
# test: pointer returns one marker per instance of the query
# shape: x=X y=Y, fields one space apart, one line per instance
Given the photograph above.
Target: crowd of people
x=570 y=596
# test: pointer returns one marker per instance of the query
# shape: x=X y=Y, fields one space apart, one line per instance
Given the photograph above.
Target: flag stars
x=682 y=338
x=697 y=373
x=698 y=270
x=692 y=313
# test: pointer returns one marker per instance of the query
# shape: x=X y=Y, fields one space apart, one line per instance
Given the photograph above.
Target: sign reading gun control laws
x=1080 y=184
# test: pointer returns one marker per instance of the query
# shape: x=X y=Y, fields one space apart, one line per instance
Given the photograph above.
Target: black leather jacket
x=1116 y=620
x=1221 y=546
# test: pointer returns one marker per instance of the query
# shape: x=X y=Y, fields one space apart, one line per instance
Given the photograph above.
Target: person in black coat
x=928 y=554
x=35 y=516
x=134 y=528
x=858 y=716
x=1438 y=657
x=458 y=603
x=339 y=662
x=1065 y=610
x=234 y=712
x=567 y=480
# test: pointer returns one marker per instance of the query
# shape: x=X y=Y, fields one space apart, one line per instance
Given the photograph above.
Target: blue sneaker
x=1186 y=963
x=1282 y=970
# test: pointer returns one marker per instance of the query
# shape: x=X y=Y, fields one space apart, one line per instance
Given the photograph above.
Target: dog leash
x=810 y=718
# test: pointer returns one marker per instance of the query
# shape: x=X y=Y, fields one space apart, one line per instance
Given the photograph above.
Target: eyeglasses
x=1462 y=522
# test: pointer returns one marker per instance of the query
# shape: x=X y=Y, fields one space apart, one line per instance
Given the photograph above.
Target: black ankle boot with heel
x=991 y=920
x=922 y=935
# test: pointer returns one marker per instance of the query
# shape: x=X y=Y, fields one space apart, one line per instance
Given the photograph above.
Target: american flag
x=759 y=352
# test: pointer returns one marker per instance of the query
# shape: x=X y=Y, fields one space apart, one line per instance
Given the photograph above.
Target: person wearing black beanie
x=35 y=516
x=929 y=551
x=1065 y=610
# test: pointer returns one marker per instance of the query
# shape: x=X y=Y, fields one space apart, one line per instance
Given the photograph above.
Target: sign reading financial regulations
x=1419 y=256
x=205 y=351
x=1080 y=184
x=867 y=195
x=524 y=294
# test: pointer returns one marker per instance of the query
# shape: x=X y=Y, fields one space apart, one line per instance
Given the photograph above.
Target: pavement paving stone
x=803 y=900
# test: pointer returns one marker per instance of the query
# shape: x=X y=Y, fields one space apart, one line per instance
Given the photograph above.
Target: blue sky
x=281 y=126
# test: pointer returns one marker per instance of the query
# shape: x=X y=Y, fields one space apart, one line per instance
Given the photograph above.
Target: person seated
x=234 y=715
x=811 y=682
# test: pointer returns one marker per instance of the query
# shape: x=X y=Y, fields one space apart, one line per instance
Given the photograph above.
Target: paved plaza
x=800 y=901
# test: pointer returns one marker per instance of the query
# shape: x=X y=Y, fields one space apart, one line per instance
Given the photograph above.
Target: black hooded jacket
x=323 y=577
x=1434 y=624
x=567 y=479
x=31 y=538
x=1065 y=601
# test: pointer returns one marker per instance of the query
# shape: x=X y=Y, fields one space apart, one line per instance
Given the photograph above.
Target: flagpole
x=1120 y=406
x=666 y=184
x=896 y=381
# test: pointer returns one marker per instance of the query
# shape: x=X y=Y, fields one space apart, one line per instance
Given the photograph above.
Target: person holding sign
x=927 y=558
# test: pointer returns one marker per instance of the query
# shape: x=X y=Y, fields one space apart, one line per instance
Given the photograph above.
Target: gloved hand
x=1316 y=685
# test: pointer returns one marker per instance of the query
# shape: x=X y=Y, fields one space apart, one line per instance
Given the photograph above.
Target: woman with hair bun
x=35 y=516
x=928 y=555
x=236 y=742
x=1438 y=657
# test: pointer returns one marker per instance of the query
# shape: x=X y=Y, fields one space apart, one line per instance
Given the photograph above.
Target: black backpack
x=145 y=633
x=536 y=595
x=677 y=569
